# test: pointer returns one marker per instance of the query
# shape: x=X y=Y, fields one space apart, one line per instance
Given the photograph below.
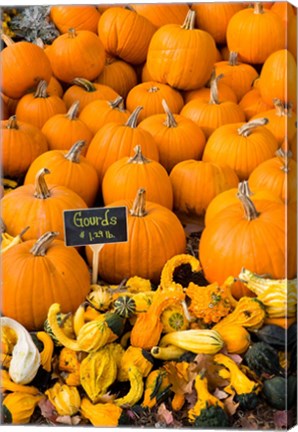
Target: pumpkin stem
x=138 y=158
x=153 y=89
x=249 y=207
x=246 y=129
x=117 y=103
x=41 y=188
x=189 y=22
x=170 y=120
x=42 y=244
x=41 y=89
x=72 y=32
x=24 y=231
x=214 y=90
x=243 y=188
x=258 y=8
x=39 y=42
x=6 y=39
x=139 y=204
x=85 y=84
x=12 y=123
x=133 y=118
x=284 y=158
x=233 y=58
x=72 y=113
x=73 y=155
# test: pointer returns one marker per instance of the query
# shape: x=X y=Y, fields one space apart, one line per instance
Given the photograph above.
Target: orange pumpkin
x=40 y=205
x=252 y=103
x=44 y=272
x=242 y=146
x=284 y=10
x=23 y=65
x=196 y=183
x=120 y=29
x=255 y=33
x=85 y=92
x=149 y=225
x=21 y=144
x=69 y=169
x=246 y=235
x=36 y=108
x=195 y=54
x=150 y=95
x=77 y=17
x=124 y=177
x=292 y=36
x=116 y=140
x=162 y=14
x=77 y=54
x=177 y=137
x=62 y=130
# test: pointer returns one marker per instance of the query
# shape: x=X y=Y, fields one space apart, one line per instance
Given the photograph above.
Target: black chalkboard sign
x=95 y=226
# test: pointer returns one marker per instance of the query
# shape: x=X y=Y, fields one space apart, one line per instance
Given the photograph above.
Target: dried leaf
x=220 y=394
x=205 y=361
x=68 y=420
x=48 y=410
x=164 y=416
x=282 y=419
x=230 y=405
x=249 y=423
x=181 y=376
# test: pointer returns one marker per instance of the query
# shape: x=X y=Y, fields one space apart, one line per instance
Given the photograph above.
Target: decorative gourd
x=65 y=279
x=280 y=392
x=23 y=65
x=135 y=356
x=36 y=108
x=69 y=169
x=263 y=358
x=77 y=17
x=177 y=71
x=277 y=175
x=119 y=75
x=150 y=95
x=255 y=33
x=238 y=146
x=98 y=113
x=119 y=30
x=25 y=359
x=177 y=137
x=69 y=365
x=62 y=130
x=115 y=141
x=274 y=82
x=207 y=341
x=77 y=53
x=162 y=14
x=21 y=143
x=236 y=74
x=236 y=338
x=40 y=205
x=125 y=176
x=253 y=104
x=66 y=399
x=104 y=414
x=138 y=255
x=18 y=407
x=173 y=319
x=211 y=114
x=156 y=385
x=186 y=197
x=136 y=388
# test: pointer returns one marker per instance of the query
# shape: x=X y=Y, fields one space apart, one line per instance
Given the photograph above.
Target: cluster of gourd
x=196 y=118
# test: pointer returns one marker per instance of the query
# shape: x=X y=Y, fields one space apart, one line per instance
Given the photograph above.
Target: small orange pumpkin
x=253 y=104
x=77 y=17
x=162 y=14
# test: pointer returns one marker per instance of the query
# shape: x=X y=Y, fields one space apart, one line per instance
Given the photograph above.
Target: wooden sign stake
x=96 y=248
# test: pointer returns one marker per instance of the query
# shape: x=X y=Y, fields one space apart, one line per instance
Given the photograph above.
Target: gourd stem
x=41 y=188
x=72 y=113
x=249 y=207
x=214 y=90
x=258 y=8
x=42 y=244
x=139 y=204
x=189 y=22
x=133 y=118
x=117 y=103
x=6 y=39
x=153 y=89
x=170 y=120
x=73 y=155
x=72 y=32
x=138 y=158
x=247 y=128
x=41 y=90
x=85 y=84
x=233 y=58
x=12 y=123
x=279 y=107
x=284 y=158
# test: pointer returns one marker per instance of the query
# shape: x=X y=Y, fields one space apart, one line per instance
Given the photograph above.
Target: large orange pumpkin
x=45 y=271
x=162 y=14
x=40 y=205
x=155 y=235
x=77 y=17
x=181 y=55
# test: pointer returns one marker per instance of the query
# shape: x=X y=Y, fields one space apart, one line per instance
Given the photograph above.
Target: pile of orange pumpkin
x=179 y=112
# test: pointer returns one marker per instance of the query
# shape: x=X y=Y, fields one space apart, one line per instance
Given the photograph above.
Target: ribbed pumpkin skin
x=254 y=36
x=278 y=78
x=191 y=66
x=152 y=240
x=119 y=30
x=252 y=104
x=77 y=17
x=196 y=183
x=20 y=146
x=225 y=93
x=76 y=92
x=36 y=282
x=162 y=14
x=23 y=65
x=243 y=154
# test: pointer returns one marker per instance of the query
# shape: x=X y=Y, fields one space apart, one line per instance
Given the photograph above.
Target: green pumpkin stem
x=248 y=206
x=189 y=22
x=72 y=113
x=85 y=84
x=41 y=188
x=214 y=99
x=41 y=89
x=138 y=158
x=170 y=120
x=139 y=204
x=42 y=244
x=73 y=155
x=12 y=123
x=133 y=118
x=246 y=129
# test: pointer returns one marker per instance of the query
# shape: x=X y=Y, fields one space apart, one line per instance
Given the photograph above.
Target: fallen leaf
x=249 y=423
x=282 y=419
x=48 y=410
x=220 y=394
x=230 y=405
x=205 y=362
x=69 y=420
x=164 y=416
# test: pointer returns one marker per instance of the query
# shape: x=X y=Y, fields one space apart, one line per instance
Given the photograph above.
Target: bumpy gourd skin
x=212 y=417
x=262 y=358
